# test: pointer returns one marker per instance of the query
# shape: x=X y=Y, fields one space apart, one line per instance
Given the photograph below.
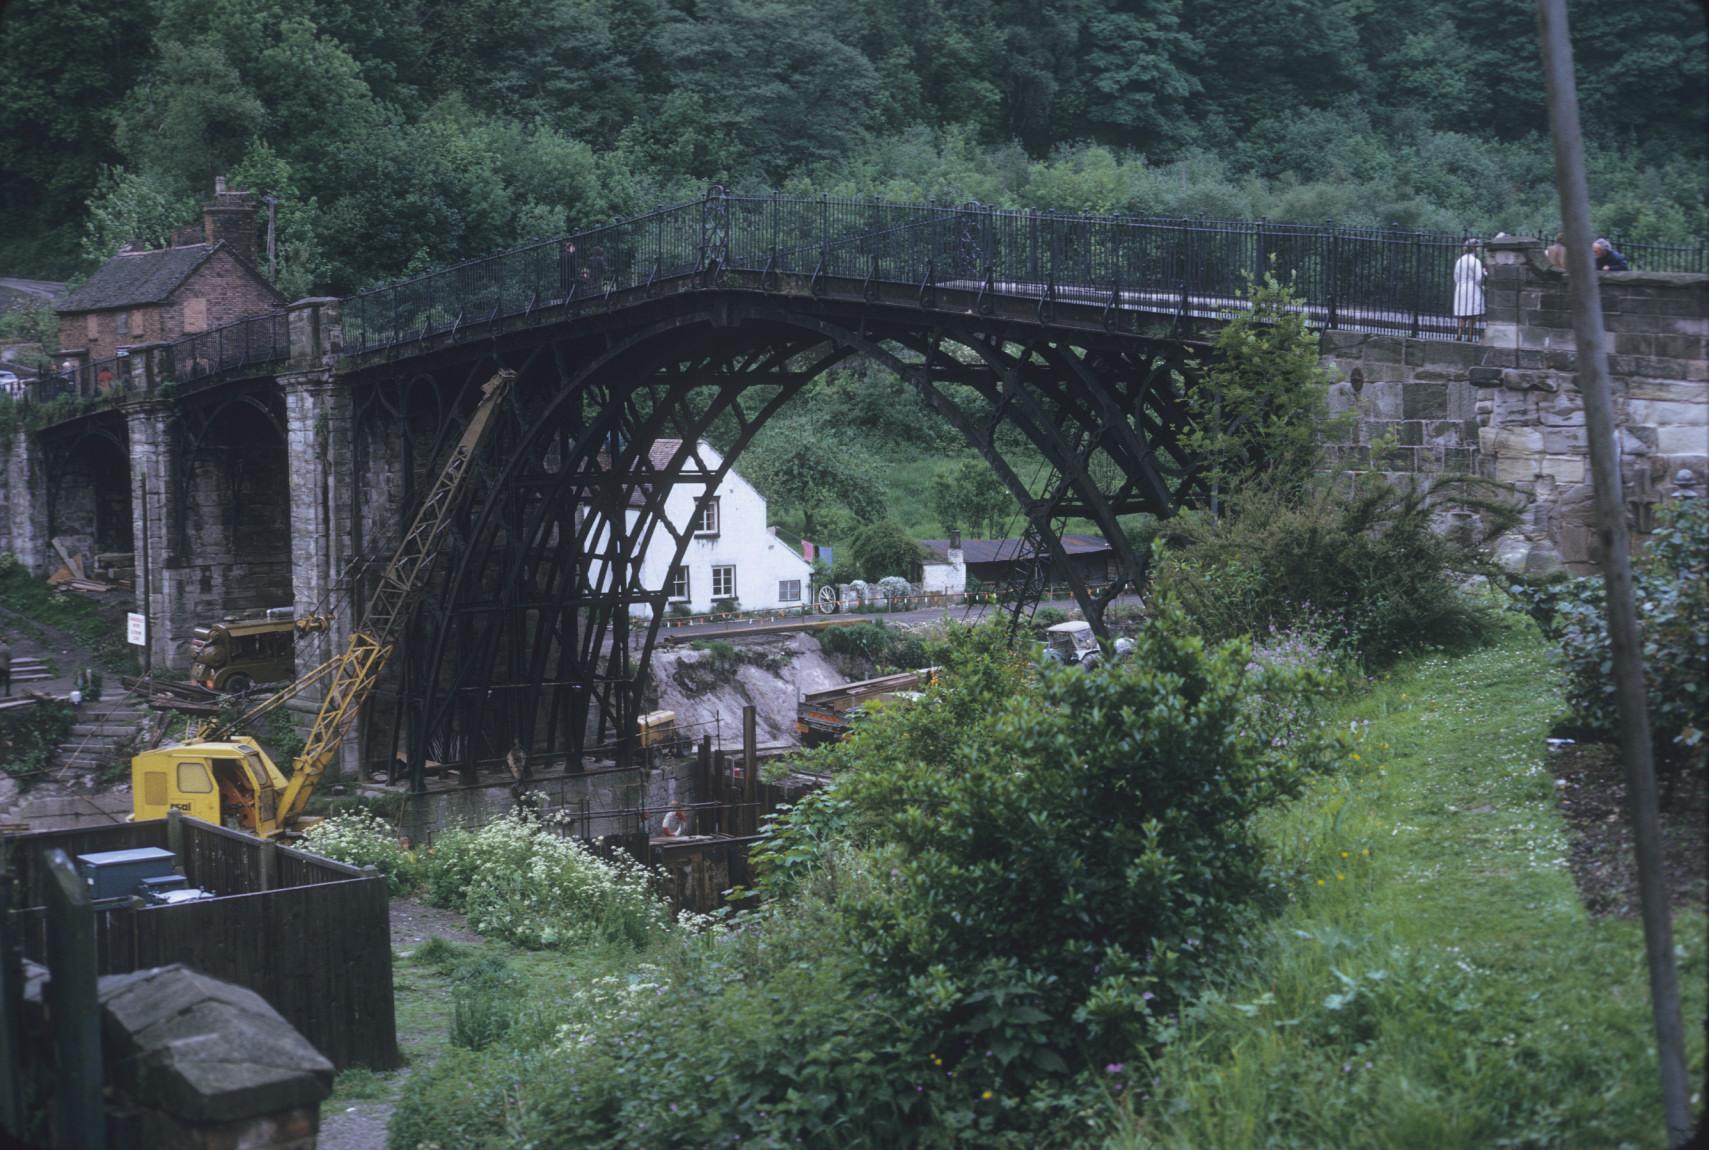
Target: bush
x=361 y=838
x=1671 y=587
x=884 y=548
x=1071 y=863
x=486 y=998
x=878 y=644
x=30 y=738
x=1367 y=565
x=520 y=881
x=461 y=1100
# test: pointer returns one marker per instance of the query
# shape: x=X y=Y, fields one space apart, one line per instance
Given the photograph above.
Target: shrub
x=30 y=738
x=361 y=838
x=1064 y=862
x=1047 y=617
x=1365 y=564
x=884 y=548
x=518 y=880
x=462 y=1099
x=878 y=644
x=485 y=1000
x=1671 y=587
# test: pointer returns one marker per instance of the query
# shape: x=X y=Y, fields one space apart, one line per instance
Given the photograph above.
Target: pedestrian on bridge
x=1469 y=276
x=1607 y=259
x=6 y=666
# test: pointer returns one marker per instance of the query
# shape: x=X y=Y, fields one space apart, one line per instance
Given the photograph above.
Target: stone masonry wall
x=231 y=289
x=1509 y=409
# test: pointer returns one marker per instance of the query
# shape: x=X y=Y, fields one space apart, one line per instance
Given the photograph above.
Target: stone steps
x=28 y=670
x=100 y=731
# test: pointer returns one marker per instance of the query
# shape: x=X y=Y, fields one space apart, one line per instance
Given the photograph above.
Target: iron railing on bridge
x=1377 y=279
x=261 y=339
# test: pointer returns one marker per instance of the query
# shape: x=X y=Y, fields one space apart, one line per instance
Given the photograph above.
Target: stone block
x=1555 y=320
x=1681 y=346
x=1667 y=390
x=1498 y=357
x=1424 y=401
x=1666 y=413
x=1565 y=440
x=1459 y=460
x=1682 y=440
x=1484 y=376
x=1413 y=351
x=1563 y=468
x=1561 y=359
x=1341 y=398
x=1485 y=406
x=1518 y=441
x=1637 y=440
x=1443 y=433
x=1384 y=350
x=1445 y=354
x=1634 y=343
x=1696 y=325
x=1381 y=400
x=1630 y=321
x=1487 y=440
x=1411 y=432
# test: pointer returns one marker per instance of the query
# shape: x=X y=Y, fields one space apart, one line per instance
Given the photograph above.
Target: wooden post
x=750 y=773
x=720 y=772
x=268 y=877
x=1585 y=296
x=11 y=1007
x=74 y=1007
x=175 y=834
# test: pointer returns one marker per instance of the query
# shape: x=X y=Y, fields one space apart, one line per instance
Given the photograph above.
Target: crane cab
x=232 y=784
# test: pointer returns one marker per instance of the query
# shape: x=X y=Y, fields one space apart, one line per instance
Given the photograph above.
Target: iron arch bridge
x=714 y=314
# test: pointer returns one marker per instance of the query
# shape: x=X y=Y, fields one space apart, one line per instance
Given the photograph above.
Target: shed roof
x=1008 y=550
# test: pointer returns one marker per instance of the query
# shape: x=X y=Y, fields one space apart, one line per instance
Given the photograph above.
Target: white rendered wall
x=743 y=541
x=949 y=576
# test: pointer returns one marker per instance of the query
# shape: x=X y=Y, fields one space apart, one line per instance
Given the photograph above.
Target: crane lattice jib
x=376 y=633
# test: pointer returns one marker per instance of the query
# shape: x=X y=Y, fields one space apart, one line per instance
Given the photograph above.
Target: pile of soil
x=1590 y=785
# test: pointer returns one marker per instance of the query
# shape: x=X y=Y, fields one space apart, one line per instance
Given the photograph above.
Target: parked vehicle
x=826 y=716
x=238 y=653
x=1073 y=643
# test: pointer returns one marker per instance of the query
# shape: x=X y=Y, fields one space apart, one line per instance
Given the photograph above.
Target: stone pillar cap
x=205 y=1050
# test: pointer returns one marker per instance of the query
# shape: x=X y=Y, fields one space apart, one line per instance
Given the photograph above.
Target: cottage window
x=195 y=315
x=91 y=327
x=679 y=583
x=789 y=590
x=707 y=522
x=724 y=582
x=122 y=323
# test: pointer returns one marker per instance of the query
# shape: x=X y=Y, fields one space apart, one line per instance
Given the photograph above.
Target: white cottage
x=732 y=553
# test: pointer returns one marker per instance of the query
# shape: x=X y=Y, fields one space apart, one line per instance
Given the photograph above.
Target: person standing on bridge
x=1469 y=276
x=1607 y=259
x=567 y=269
x=6 y=666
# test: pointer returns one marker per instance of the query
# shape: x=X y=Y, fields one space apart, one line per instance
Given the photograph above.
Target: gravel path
x=362 y=1125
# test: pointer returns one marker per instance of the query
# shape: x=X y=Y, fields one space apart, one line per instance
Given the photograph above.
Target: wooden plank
x=75 y=1007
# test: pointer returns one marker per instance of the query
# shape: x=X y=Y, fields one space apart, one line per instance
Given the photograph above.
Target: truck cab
x=232 y=784
x=1073 y=643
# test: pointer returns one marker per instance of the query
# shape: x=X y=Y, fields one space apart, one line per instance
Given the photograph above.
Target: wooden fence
x=311 y=936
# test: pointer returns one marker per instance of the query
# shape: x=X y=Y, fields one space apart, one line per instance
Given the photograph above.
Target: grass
x=1434 y=980
x=29 y=602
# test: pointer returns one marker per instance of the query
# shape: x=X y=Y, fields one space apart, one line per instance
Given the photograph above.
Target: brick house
x=205 y=279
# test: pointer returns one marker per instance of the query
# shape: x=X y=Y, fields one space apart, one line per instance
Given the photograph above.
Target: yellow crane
x=225 y=777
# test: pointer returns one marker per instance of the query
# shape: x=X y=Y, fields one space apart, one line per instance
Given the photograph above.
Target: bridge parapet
x=1509 y=408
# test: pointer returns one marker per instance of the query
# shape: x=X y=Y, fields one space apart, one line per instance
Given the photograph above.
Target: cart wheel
x=237 y=684
x=827 y=600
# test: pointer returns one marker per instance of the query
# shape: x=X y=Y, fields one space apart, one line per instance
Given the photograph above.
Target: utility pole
x=1635 y=747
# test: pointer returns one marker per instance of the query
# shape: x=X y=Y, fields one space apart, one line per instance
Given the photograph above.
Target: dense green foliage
x=402 y=132
x=1671 y=587
x=29 y=605
x=1012 y=882
x=1263 y=401
x=1363 y=564
x=30 y=738
x=969 y=498
x=883 y=549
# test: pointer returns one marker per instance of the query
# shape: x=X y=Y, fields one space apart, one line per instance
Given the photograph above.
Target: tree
x=1261 y=403
x=884 y=548
x=969 y=498
x=796 y=464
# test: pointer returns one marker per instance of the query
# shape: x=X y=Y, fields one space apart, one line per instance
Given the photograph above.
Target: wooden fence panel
x=320 y=952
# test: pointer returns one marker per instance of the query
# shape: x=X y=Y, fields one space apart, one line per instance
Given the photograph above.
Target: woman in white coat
x=1469 y=276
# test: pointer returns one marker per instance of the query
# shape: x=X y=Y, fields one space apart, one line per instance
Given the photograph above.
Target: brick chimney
x=230 y=216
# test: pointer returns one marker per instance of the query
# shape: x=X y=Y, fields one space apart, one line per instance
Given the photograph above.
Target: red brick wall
x=145 y=327
x=232 y=292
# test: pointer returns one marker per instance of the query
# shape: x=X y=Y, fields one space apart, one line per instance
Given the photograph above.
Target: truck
x=1073 y=644
x=236 y=653
x=826 y=716
x=224 y=776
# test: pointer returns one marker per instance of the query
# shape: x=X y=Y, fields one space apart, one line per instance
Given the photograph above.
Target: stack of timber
x=74 y=577
x=164 y=695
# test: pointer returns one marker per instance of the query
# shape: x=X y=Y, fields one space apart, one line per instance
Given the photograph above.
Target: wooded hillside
x=399 y=133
